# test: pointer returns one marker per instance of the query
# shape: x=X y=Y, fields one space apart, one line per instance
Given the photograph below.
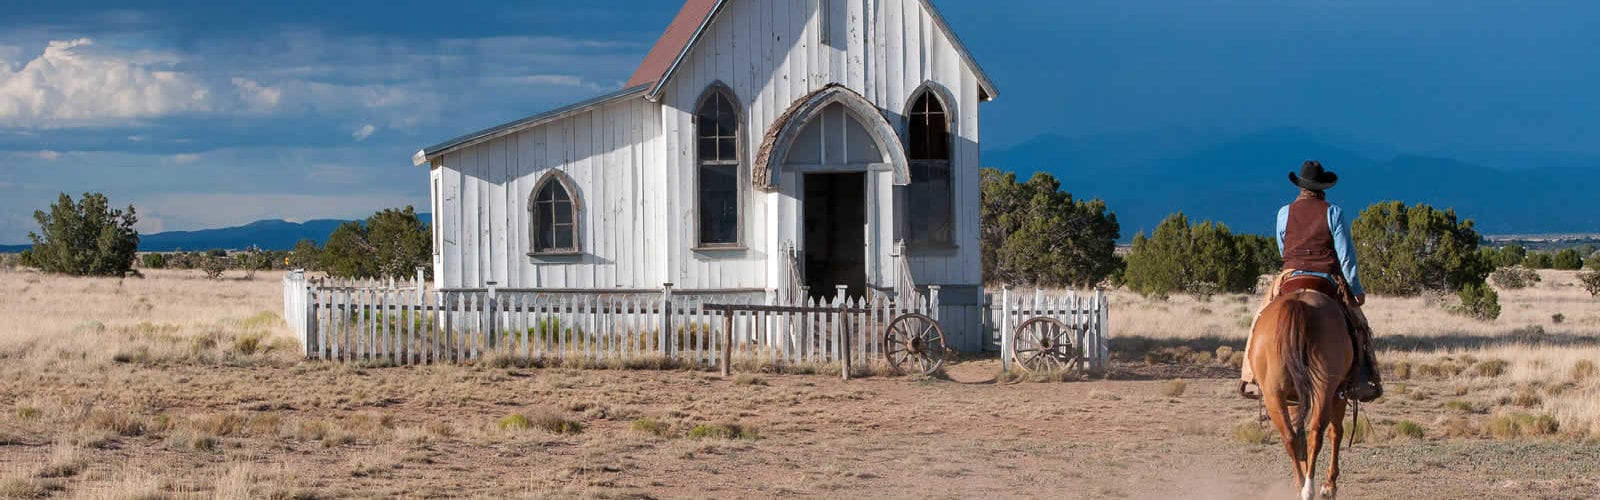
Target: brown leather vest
x=1307 y=241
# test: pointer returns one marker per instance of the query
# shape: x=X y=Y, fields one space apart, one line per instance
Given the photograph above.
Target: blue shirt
x=1342 y=245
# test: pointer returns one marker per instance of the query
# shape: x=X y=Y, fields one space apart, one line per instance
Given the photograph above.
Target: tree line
x=90 y=238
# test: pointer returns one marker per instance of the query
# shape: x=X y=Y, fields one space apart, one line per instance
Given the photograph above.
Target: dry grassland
x=177 y=387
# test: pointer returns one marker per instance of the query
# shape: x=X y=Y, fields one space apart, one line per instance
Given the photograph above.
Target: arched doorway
x=833 y=155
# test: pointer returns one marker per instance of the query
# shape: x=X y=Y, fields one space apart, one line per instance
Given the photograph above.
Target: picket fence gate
x=1087 y=314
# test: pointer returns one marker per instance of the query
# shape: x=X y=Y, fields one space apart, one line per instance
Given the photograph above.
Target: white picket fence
x=404 y=323
x=1086 y=313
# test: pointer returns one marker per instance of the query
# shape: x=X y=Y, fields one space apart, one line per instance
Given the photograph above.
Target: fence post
x=727 y=341
x=1102 y=333
x=490 y=333
x=420 y=284
x=666 y=321
x=933 y=302
x=1005 y=327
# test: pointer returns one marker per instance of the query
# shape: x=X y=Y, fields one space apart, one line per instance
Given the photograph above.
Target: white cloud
x=361 y=134
x=185 y=158
x=44 y=154
x=255 y=96
x=72 y=83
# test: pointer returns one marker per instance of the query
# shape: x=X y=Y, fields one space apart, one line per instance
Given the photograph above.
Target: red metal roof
x=672 y=43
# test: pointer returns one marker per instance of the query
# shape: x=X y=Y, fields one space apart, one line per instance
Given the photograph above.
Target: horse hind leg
x=1282 y=420
x=1319 y=415
x=1330 y=489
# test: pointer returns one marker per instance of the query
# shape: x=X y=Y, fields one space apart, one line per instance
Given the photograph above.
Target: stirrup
x=1245 y=393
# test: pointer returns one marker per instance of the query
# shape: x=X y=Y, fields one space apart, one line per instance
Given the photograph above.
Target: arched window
x=928 y=151
x=717 y=128
x=555 y=215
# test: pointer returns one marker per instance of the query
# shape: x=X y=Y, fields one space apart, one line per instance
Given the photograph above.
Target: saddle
x=1293 y=284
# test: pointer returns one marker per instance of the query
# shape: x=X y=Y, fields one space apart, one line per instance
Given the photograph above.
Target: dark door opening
x=835 y=234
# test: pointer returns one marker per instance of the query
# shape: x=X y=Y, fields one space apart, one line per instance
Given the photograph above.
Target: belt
x=1325 y=276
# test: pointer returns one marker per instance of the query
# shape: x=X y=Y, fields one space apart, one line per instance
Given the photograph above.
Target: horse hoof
x=1328 y=492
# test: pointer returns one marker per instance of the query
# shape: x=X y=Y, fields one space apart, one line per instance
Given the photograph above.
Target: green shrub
x=1033 y=233
x=514 y=422
x=1567 y=260
x=1517 y=424
x=1540 y=260
x=1407 y=250
x=389 y=244
x=1461 y=406
x=154 y=261
x=1478 y=301
x=84 y=238
x=1514 y=278
x=1200 y=259
x=652 y=427
x=1408 y=429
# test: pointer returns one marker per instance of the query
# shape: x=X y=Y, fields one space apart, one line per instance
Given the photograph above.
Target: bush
x=390 y=244
x=1035 y=234
x=652 y=427
x=1567 y=260
x=1201 y=259
x=213 y=266
x=1540 y=260
x=1590 y=281
x=253 y=261
x=304 y=256
x=1174 y=388
x=1518 y=424
x=1405 y=251
x=154 y=261
x=1509 y=255
x=84 y=238
x=1479 y=302
x=1514 y=278
x=1408 y=429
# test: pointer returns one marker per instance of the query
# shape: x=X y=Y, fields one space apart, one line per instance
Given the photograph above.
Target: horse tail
x=1293 y=348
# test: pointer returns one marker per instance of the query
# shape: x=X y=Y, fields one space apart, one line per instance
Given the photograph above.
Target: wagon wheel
x=1046 y=344
x=914 y=340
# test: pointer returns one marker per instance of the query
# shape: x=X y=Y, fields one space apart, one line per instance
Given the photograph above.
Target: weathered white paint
x=633 y=160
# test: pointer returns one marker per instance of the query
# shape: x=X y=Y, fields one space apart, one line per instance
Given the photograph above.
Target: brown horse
x=1301 y=353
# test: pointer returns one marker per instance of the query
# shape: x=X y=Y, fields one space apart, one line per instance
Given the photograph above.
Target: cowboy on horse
x=1314 y=240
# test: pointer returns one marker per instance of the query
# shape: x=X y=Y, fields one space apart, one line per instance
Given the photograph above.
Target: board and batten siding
x=772 y=53
x=608 y=152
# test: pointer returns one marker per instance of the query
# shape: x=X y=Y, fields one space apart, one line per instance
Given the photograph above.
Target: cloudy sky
x=206 y=114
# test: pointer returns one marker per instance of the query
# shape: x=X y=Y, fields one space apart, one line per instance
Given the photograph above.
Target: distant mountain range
x=265 y=234
x=1238 y=180
x=1242 y=180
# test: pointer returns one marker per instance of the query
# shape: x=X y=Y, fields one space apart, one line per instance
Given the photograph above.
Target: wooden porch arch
x=775 y=146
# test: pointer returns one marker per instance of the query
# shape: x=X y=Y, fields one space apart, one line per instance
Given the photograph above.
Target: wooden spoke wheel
x=914 y=341
x=1046 y=344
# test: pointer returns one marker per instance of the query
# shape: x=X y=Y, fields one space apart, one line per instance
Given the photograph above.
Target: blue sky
x=206 y=114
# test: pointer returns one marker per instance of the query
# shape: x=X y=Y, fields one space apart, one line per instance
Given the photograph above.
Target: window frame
x=715 y=90
x=562 y=181
x=933 y=91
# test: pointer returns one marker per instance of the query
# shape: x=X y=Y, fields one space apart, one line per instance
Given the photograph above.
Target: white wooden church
x=764 y=147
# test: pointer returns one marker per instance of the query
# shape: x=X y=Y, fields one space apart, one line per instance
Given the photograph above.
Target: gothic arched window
x=928 y=150
x=555 y=215
x=717 y=131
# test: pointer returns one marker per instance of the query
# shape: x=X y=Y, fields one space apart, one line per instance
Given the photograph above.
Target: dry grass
x=175 y=386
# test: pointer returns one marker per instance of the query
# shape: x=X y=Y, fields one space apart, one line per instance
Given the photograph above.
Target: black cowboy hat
x=1313 y=177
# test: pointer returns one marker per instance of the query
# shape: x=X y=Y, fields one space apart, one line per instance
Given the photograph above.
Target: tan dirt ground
x=193 y=419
